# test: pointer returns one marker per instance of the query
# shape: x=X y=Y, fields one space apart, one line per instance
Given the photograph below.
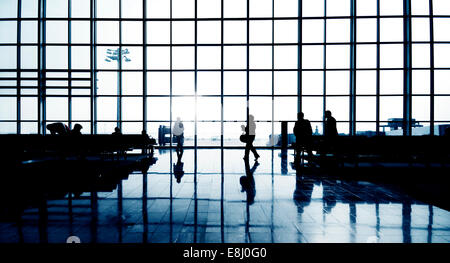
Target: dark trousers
x=249 y=147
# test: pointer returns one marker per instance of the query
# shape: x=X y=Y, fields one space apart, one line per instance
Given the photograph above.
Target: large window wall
x=138 y=64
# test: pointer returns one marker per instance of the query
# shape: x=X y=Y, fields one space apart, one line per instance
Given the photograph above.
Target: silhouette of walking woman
x=250 y=137
x=178 y=137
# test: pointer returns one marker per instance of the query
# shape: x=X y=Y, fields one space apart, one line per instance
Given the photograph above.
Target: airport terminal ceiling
x=139 y=64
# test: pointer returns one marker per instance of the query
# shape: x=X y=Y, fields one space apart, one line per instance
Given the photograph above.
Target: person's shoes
x=256 y=158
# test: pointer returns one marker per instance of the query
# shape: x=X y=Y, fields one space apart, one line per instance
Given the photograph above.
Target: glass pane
x=107 y=109
x=366 y=82
x=286 y=57
x=107 y=32
x=81 y=8
x=132 y=108
x=338 y=7
x=57 y=109
x=132 y=32
x=391 y=29
x=312 y=57
x=420 y=55
x=339 y=107
x=208 y=32
x=132 y=8
x=107 y=83
x=260 y=31
x=391 y=107
x=158 y=83
x=312 y=107
x=208 y=8
x=235 y=8
x=440 y=27
x=441 y=80
x=8 y=32
x=391 y=56
x=420 y=82
x=285 y=109
x=8 y=9
x=235 y=32
x=158 y=32
x=366 y=109
x=81 y=32
x=421 y=29
x=132 y=83
x=338 y=82
x=208 y=108
x=9 y=58
x=8 y=108
x=442 y=55
x=183 y=83
x=235 y=57
x=81 y=109
x=286 y=31
x=338 y=56
x=366 y=7
x=29 y=8
x=28 y=108
x=391 y=82
x=260 y=82
x=208 y=83
x=158 y=108
x=420 y=7
x=81 y=57
x=260 y=57
x=158 y=8
x=391 y=7
x=338 y=30
x=56 y=8
x=261 y=109
x=235 y=109
x=312 y=31
x=29 y=57
x=183 y=8
x=208 y=58
x=312 y=82
x=132 y=57
x=158 y=57
x=183 y=57
x=441 y=112
x=313 y=8
x=441 y=7
x=107 y=9
x=286 y=8
x=234 y=83
x=366 y=56
x=56 y=32
x=56 y=57
x=183 y=32
x=421 y=108
x=184 y=107
x=285 y=82
x=366 y=30
x=260 y=8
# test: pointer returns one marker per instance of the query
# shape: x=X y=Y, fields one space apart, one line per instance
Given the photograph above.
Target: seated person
x=117 y=131
x=76 y=129
x=58 y=128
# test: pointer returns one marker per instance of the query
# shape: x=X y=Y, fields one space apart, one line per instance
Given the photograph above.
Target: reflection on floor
x=209 y=204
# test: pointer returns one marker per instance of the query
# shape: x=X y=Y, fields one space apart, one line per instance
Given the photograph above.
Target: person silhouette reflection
x=178 y=170
x=249 y=138
x=303 y=190
x=178 y=137
x=248 y=181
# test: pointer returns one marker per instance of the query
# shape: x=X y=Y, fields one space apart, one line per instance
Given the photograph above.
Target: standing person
x=250 y=132
x=178 y=137
x=329 y=132
x=330 y=129
x=303 y=135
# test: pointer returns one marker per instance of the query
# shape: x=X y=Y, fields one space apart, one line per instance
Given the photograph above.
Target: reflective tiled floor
x=209 y=204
